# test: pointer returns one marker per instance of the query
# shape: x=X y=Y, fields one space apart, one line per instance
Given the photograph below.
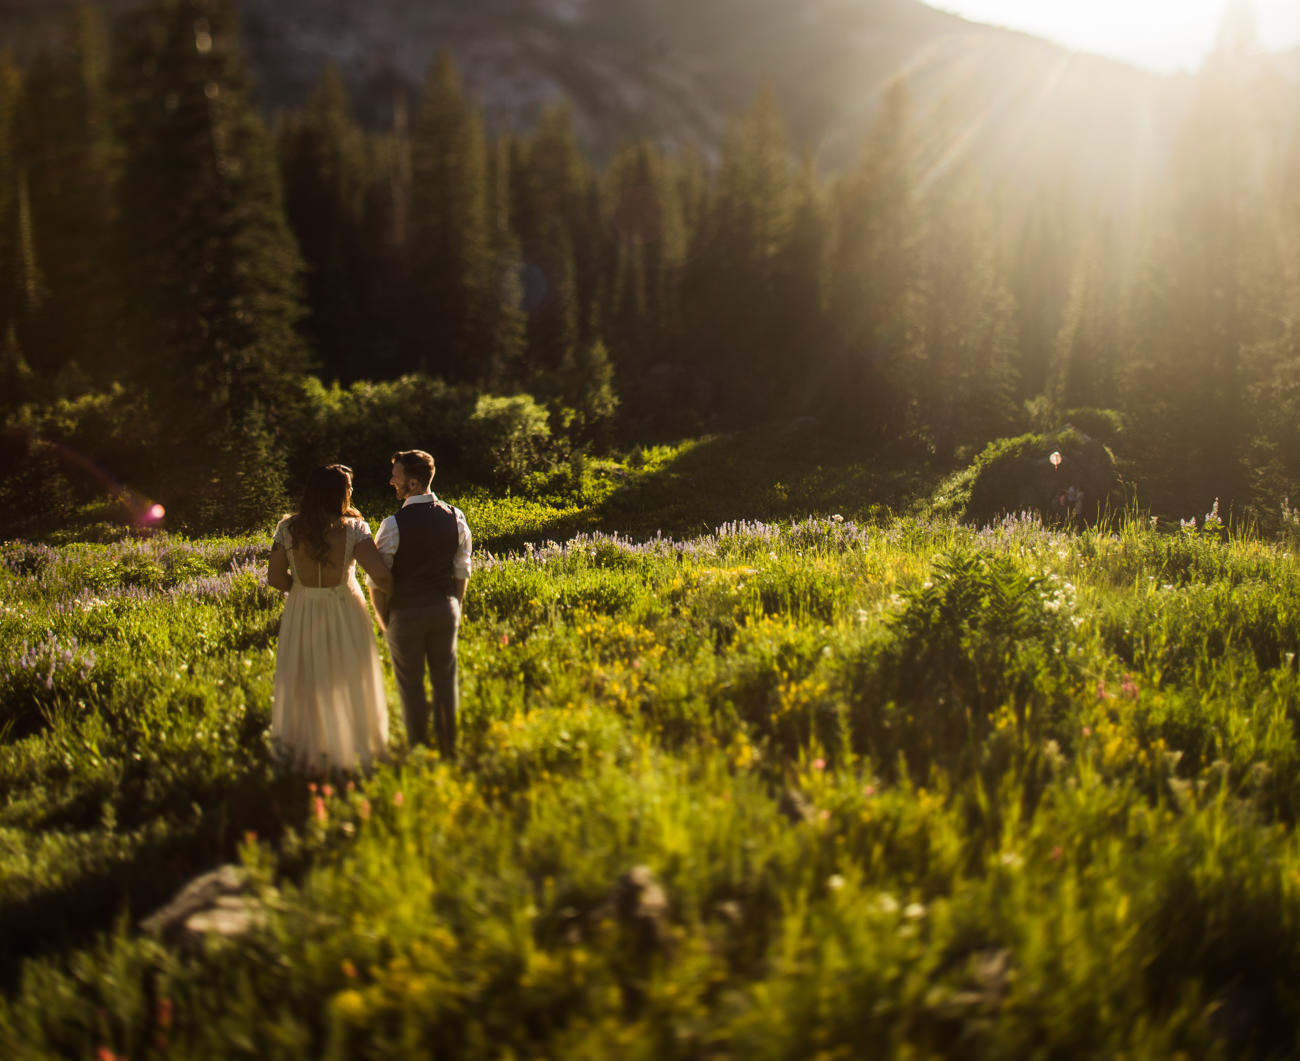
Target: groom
x=427 y=547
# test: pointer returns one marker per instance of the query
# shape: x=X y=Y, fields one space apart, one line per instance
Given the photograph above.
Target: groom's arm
x=461 y=563
x=386 y=544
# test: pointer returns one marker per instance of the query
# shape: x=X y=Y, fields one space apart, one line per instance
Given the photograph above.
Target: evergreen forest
x=183 y=274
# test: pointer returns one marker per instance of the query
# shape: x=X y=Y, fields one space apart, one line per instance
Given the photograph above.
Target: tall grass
x=815 y=788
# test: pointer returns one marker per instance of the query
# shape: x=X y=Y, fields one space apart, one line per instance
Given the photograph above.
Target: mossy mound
x=1018 y=475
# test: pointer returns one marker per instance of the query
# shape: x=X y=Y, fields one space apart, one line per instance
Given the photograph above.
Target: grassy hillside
x=816 y=787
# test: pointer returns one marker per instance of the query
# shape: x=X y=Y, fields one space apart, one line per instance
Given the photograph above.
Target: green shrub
x=506 y=438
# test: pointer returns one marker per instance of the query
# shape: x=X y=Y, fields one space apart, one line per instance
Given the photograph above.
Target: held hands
x=380 y=600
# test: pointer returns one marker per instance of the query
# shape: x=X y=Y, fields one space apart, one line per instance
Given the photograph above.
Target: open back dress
x=329 y=711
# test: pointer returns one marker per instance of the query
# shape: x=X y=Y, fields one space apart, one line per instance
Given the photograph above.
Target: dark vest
x=427 y=538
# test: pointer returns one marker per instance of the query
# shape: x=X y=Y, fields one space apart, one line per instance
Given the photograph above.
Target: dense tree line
x=158 y=234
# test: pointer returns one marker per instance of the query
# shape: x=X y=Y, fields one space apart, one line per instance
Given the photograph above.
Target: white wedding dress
x=328 y=711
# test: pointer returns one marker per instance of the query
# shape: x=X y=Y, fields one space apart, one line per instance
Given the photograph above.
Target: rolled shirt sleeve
x=386 y=541
x=461 y=564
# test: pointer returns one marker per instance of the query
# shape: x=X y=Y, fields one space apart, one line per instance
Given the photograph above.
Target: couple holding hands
x=329 y=711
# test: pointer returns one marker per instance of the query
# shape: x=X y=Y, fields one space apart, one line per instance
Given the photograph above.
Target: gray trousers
x=427 y=636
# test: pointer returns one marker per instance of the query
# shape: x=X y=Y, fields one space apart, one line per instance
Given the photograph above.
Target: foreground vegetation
x=827 y=787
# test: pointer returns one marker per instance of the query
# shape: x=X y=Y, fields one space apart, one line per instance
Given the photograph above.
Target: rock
x=215 y=903
x=233 y=915
x=641 y=903
x=795 y=806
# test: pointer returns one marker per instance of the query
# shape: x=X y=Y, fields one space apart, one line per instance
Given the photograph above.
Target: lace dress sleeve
x=282 y=537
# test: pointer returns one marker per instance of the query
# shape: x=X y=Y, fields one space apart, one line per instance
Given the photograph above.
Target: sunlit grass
x=901 y=787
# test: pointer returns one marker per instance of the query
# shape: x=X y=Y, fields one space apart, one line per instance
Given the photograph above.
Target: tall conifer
x=871 y=377
x=11 y=255
x=452 y=254
x=323 y=159
x=214 y=268
x=967 y=387
x=732 y=288
x=1205 y=304
x=69 y=161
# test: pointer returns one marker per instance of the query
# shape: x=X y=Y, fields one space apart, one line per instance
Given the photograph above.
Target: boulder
x=217 y=903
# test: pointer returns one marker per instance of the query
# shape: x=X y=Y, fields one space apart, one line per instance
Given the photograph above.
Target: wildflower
x=825 y=815
x=1057 y=852
x=311 y=786
x=105 y=1054
x=318 y=808
x=505 y=639
x=163 y=1015
x=327 y=791
x=835 y=882
x=349 y=970
x=819 y=764
x=250 y=837
x=1101 y=690
x=869 y=791
x=1128 y=688
x=914 y=911
x=364 y=810
x=350 y=1005
x=398 y=799
x=1087 y=731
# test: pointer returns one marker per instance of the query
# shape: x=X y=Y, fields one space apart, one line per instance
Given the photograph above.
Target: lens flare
x=143 y=511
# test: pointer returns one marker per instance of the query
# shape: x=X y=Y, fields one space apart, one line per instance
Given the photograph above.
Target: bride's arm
x=277 y=569
x=381 y=579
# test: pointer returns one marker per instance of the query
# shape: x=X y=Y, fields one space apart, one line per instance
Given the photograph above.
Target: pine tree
x=968 y=378
x=69 y=164
x=732 y=291
x=323 y=159
x=1043 y=260
x=215 y=271
x=870 y=381
x=1210 y=296
x=1084 y=368
x=1272 y=362
x=12 y=280
x=550 y=203
x=644 y=222
x=504 y=295
x=799 y=313
x=452 y=251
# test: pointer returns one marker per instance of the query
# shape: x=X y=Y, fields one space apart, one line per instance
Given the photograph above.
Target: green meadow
x=808 y=776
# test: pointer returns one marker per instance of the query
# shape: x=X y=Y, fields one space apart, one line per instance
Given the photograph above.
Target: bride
x=328 y=710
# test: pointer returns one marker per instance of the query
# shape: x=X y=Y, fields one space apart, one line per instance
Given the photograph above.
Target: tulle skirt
x=329 y=711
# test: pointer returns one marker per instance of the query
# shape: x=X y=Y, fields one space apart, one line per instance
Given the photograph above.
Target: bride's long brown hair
x=326 y=501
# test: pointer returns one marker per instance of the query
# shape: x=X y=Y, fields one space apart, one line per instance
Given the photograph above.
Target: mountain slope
x=678 y=70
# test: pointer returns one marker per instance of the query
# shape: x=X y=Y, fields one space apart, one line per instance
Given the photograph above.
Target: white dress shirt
x=386 y=541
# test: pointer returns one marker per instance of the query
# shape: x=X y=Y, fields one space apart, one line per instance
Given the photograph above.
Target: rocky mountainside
x=678 y=70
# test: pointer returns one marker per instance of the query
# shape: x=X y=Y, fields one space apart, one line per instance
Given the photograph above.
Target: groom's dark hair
x=417 y=464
